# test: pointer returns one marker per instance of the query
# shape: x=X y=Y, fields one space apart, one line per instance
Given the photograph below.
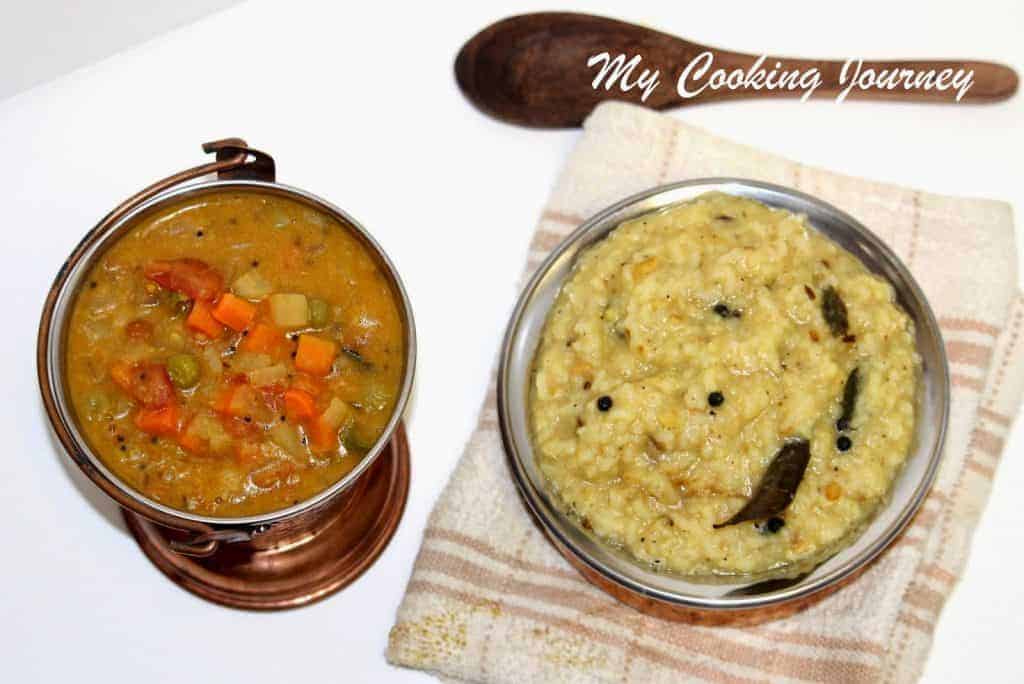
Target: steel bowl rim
x=50 y=357
x=535 y=499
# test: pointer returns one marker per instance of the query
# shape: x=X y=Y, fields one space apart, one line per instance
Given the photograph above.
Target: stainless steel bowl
x=666 y=594
x=237 y=172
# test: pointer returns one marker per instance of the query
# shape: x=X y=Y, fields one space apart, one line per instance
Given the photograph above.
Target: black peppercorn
x=723 y=310
x=773 y=525
x=604 y=403
x=844 y=443
x=716 y=399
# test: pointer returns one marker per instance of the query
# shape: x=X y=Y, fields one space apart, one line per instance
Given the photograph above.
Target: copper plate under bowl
x=301 y=569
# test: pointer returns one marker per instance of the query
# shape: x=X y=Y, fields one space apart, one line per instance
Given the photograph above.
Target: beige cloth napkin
x=491 y=600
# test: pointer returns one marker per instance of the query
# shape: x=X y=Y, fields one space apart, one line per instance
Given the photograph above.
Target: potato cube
x=289 y=310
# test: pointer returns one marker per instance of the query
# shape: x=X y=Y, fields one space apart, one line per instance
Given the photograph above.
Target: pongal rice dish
x=722 y=392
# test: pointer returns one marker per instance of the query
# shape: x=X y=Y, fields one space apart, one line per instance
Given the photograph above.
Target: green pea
x=183 y=369
x=319 y=313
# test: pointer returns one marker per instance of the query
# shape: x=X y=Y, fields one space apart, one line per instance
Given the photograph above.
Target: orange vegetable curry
x=234 y=354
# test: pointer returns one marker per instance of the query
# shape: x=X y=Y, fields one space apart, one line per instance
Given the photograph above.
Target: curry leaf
x=834 y=310
x=850 y=392
x=778 y=485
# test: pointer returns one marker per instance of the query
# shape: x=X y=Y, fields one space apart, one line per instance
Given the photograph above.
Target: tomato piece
x=235 y=398
x=146 y=383
x=192 y=277
x=272 y=397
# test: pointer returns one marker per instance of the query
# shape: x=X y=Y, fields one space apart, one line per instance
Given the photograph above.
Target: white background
x=359 y=105
x=42 y=39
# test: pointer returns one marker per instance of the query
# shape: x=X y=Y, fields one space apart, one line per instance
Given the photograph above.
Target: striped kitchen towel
x=491 y=600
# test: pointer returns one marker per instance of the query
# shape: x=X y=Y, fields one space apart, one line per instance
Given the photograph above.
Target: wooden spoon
x=532 y=70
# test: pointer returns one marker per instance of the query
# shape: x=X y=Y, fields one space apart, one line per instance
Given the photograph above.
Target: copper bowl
x=672 y=596
x=278 y=559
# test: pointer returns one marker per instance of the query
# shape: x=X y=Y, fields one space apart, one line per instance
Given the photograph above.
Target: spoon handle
x=533 y=69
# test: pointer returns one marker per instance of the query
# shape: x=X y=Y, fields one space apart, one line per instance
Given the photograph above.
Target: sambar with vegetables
x=722 y=392
x=234 y=353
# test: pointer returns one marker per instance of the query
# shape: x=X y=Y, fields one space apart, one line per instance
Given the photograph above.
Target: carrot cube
x=299 y=405
x=322 y=435
x=262 y=338
x=201 y=319
x=234 y=312
x=323 y=430
x=162 y=421
x=314 y=355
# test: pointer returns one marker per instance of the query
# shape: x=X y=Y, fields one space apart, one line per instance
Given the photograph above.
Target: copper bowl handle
x=234 y=159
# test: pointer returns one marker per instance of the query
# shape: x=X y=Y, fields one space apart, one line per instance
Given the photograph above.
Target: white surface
x=453 y=196
x=42 y=39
